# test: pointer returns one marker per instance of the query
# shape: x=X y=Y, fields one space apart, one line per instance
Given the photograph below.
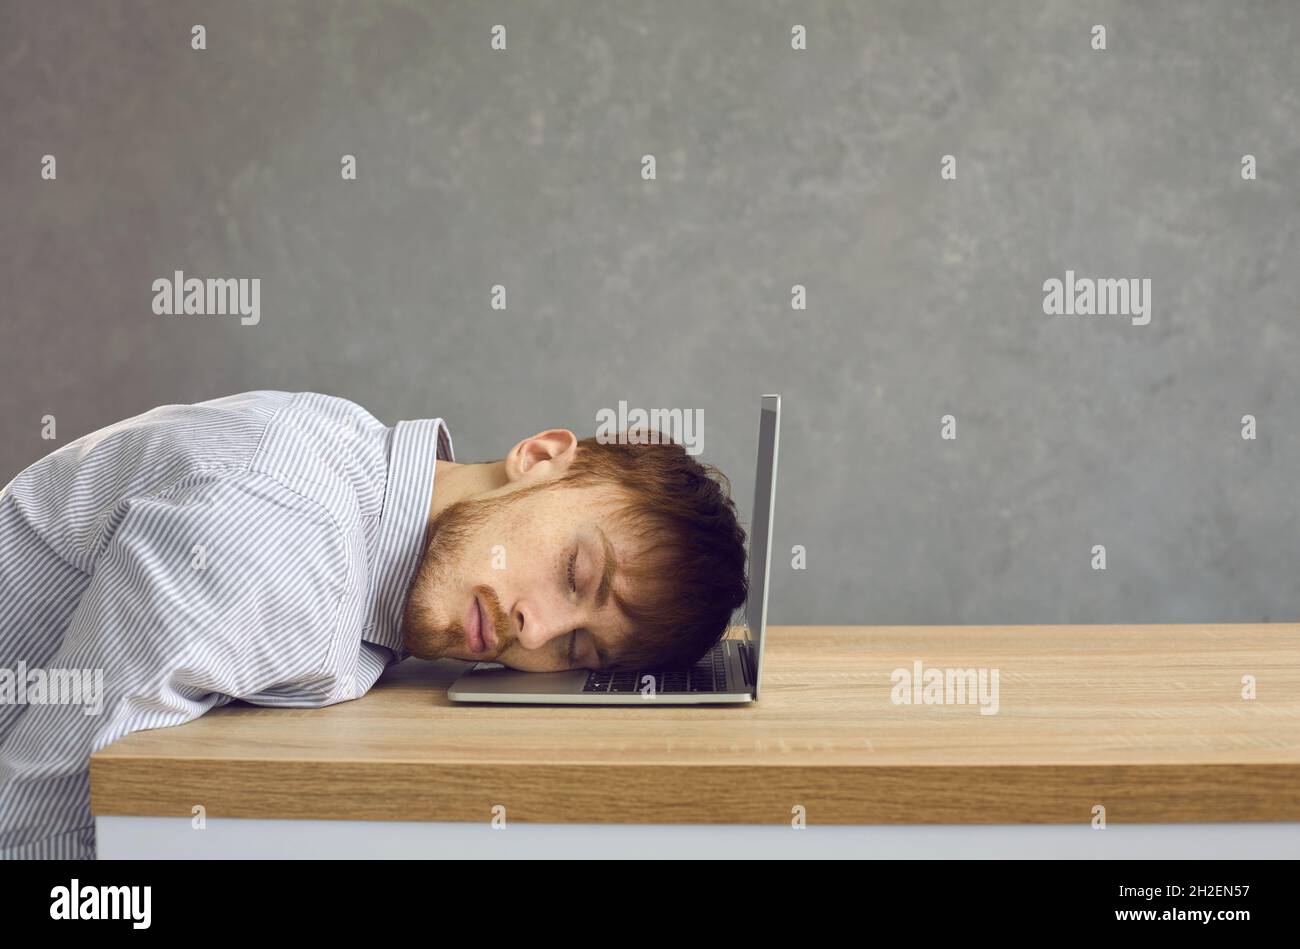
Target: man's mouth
x=479 y=634
x=488 y=629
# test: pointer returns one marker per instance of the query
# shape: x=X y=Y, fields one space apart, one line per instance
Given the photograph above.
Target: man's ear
x=544 y=456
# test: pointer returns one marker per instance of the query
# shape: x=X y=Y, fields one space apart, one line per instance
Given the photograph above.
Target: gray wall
x=775 y=168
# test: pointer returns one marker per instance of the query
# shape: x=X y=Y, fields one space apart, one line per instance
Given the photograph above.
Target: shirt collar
x=413 y=451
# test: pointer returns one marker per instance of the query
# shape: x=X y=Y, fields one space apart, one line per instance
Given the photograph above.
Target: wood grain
x=1148 y=721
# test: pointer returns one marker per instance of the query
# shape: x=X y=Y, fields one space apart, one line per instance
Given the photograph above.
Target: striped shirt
x=257 y=547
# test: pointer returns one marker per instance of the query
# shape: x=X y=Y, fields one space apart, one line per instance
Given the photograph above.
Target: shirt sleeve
x=215 y=589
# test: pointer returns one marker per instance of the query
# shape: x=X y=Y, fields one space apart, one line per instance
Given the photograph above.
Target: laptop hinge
x=747 y=661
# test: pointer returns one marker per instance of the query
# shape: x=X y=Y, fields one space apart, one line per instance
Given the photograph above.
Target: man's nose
x=534 y=628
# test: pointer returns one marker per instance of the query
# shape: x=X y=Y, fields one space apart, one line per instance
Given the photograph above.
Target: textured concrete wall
x=775 y=167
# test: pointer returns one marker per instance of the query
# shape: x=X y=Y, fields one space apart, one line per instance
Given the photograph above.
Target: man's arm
x=215 y=589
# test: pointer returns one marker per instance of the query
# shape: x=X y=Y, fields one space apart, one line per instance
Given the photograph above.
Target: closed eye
x=572 y=653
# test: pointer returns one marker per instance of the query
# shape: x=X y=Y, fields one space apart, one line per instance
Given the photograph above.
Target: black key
x=624 y=683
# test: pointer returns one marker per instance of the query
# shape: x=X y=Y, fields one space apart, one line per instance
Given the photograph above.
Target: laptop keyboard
x=709 y=674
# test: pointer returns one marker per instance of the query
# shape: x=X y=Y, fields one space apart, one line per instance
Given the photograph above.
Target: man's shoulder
x=329 y=447
x=323 y=447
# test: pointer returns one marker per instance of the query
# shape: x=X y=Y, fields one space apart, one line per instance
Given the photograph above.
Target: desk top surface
x=1151 y=722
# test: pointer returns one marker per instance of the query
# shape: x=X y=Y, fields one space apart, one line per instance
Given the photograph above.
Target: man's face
x=529 y=571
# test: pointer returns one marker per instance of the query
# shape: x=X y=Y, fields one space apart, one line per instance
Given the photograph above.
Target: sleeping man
x=284 y=548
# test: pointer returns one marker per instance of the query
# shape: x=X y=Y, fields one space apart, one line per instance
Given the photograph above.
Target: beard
x=425 y=633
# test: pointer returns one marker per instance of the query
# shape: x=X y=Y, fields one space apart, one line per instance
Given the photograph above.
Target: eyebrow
x=607 y=577
x=602 y=591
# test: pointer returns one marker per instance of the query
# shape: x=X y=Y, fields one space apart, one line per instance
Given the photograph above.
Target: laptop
x=729 y=673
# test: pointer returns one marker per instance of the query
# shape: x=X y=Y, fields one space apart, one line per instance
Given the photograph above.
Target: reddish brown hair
x=691 y=576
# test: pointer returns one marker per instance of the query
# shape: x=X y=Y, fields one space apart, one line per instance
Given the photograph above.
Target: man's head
x=627 y=554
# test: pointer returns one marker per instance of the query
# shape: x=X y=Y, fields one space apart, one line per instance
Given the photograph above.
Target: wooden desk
x=1147 y=721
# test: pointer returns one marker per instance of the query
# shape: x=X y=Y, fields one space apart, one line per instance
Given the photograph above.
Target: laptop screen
x=760 y=537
